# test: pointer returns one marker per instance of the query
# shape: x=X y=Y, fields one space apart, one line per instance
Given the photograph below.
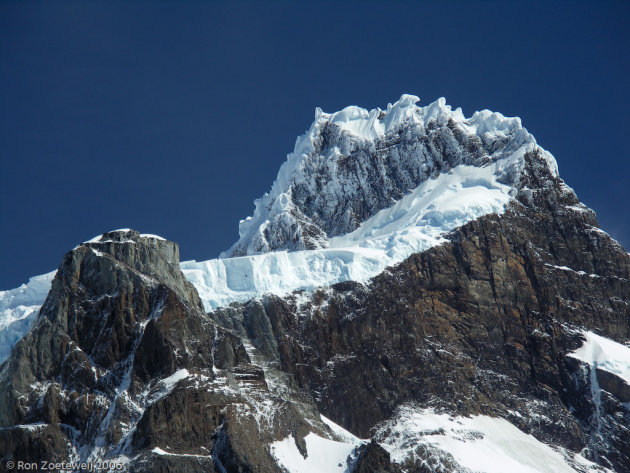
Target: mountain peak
x=148 y=254
x=353 y=163
x=123 y=235
x=439 y=292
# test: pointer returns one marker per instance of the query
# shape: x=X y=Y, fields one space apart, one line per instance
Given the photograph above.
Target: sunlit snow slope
x=362 y=191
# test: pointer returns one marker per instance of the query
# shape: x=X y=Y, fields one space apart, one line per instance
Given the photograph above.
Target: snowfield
x=323 y=455
x=480 y=443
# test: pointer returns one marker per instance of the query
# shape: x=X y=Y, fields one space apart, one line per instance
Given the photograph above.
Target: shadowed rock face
x=481 y=324
x=372 y=458
x=123 y=363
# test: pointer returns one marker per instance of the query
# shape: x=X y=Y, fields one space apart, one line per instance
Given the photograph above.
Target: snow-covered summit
x=353 y=163
x=122 y=235
x=362 y=191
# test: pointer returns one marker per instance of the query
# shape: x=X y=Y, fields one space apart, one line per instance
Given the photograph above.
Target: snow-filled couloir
x=362 y=190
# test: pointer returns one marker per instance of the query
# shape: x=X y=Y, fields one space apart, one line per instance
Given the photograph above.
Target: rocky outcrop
x=372 y=458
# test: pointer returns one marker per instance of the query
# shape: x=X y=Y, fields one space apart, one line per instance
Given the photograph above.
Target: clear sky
x=171 y=118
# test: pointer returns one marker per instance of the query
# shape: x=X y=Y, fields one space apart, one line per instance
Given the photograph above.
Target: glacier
x=18 y=309
x=469 y=187
x=417 y=222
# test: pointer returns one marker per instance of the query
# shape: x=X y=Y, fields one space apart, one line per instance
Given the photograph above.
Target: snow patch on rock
x=323 y=455
x=479 y=443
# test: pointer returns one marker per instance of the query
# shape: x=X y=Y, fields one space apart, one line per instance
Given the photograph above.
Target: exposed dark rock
x=373 y=459
x=614 y=385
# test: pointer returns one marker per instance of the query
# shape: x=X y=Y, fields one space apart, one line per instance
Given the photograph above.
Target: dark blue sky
x=172 y=117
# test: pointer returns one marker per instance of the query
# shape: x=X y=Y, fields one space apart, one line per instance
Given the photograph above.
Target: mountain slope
x=423 y=280
x=123 y=364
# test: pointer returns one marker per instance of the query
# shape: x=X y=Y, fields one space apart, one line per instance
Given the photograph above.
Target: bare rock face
x=122 y=363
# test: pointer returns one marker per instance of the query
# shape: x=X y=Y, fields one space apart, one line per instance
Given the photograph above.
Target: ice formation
x=18 y=308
